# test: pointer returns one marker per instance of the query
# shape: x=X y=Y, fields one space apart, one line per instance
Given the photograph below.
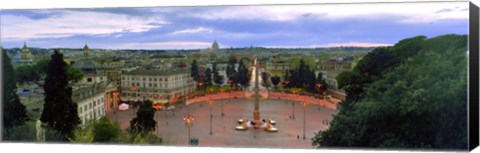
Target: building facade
x=156 y=85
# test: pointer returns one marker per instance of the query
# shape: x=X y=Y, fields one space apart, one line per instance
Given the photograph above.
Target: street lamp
x=222 y=90
x=304 y=116
x=134 y=90
x=188 y=119
x=294 y=92
x=318 y=85
x=210 y=102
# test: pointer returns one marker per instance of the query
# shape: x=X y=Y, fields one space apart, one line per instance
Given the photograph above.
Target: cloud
x=193 y=30
x=417 y=12
x=166 y=45
x=357 y=44
x=346 y=44
x=69 y=23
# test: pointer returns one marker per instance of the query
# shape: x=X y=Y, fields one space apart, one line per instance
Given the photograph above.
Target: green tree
x=36 y=73
x=242 y=75
x=58 y=99
x=105 y=131
x=217 y=79
x=208 y=78
x=144 y=122
x=194 y=71
x=323 y=84
x=99 y=131
x=231 y=67
x=275 y=80
x=420 y=102
x=14 y=112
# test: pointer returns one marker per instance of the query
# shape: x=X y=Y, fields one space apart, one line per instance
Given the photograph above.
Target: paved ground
x=173 y=129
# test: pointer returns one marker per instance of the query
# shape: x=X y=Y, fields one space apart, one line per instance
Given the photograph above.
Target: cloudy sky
x=232 y=26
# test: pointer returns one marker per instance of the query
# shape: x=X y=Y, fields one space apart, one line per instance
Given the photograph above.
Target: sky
x=273 y=26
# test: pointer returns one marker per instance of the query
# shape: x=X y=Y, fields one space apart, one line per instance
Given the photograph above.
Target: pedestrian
x=298 y=136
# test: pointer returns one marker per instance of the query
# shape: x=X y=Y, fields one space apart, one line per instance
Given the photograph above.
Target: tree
x=275 y=80
x=217 y=79
x=28 y=133
x=242 y=75
x=105 y=131
x=194 y=71
x=265 y=77
x=102 y=130
x=144 y=122
x=58 y=99
x=420 y=102
x=14 y=112
x=231 y=67
x=208 y=77
x=323 y=84
x=37 y=72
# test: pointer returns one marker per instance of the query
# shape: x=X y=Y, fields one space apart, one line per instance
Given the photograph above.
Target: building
x=93 y=72
x=90 y=103
x=334 y=64
x=23 y=57
x=156 y=85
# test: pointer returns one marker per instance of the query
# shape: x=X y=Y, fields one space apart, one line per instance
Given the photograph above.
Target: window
x=90 y=106
x=94 y=114
x=81 y=109
x=149 y=85
x=154 y=79
x=89 y=79
x=133 y=84
x=94 y=103
x=85 y=107
x=144 y=85
x=102 y=100
x=123 y=78
x=144 y=79
x=149 y=79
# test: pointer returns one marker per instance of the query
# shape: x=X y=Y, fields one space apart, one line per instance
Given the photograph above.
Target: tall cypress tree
x=14 y=112
x=321 y=81
x=194 y=71
x=144 y=122
x=217 y=79
x=231 y=67
x=242 y=74
x=208 y=77
x=60 y=112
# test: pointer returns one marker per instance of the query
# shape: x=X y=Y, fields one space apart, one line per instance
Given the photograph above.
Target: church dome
x=88 y=66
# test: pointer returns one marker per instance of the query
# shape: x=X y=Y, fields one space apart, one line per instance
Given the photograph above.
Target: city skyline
x=272 y=26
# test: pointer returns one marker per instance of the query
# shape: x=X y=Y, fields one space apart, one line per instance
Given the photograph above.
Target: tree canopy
x=144 y=121
x=14 y=112
x=417 y=101
x=59 y=110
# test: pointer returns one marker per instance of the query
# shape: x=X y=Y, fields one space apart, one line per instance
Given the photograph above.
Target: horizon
x=197 y=27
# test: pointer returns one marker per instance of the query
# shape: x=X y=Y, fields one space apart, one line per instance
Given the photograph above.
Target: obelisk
x=256 y=112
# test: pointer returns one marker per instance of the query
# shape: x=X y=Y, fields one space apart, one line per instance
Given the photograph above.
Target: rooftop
x=157 y=72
